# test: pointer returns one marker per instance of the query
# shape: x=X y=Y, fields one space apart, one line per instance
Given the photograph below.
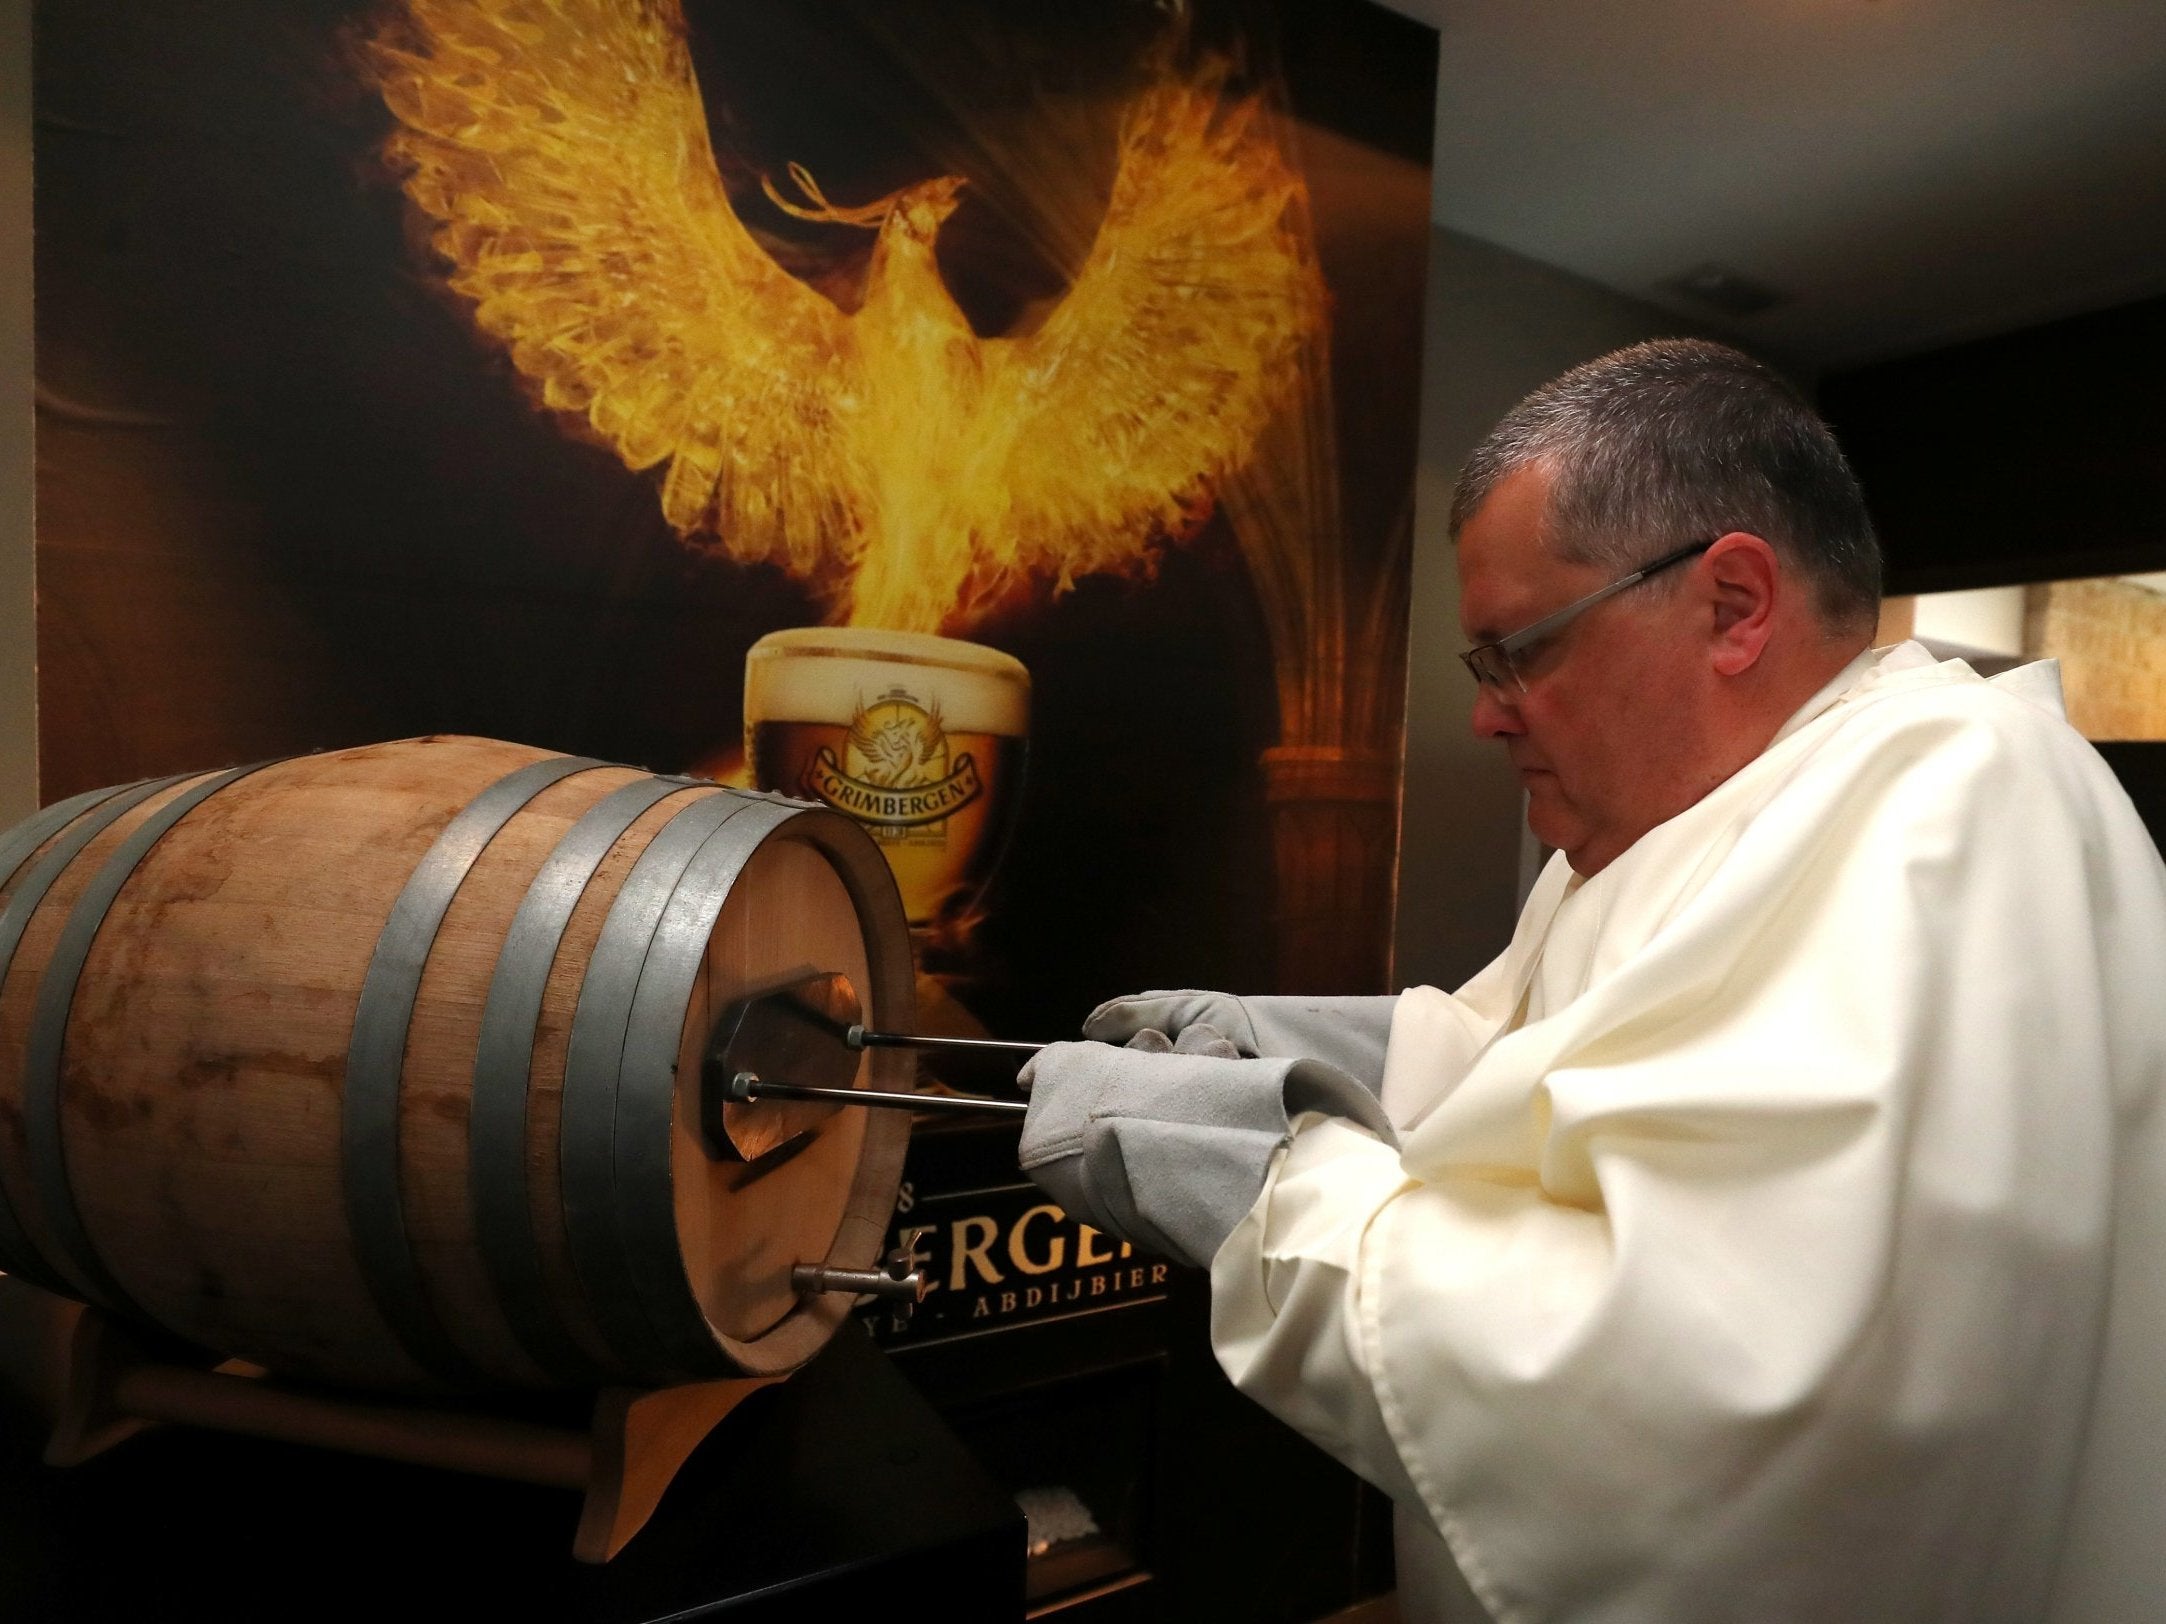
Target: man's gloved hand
x=1350 y=1034
x=1168 y=1144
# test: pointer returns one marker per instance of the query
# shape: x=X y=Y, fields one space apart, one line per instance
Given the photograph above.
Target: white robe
x=1751 y=1247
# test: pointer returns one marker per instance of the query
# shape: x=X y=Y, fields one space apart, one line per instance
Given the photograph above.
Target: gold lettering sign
x=1056 y=1248
x=973 y=1238
x=1007 y=1255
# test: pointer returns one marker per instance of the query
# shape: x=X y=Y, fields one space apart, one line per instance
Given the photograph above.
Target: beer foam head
x=828 y=673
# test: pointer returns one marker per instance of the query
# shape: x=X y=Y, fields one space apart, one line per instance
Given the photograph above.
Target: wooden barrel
x=382 y=1066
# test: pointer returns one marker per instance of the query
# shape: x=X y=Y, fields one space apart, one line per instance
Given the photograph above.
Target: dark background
x=2031 y=456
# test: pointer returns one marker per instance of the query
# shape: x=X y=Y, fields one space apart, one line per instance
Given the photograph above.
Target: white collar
x=1857 y=674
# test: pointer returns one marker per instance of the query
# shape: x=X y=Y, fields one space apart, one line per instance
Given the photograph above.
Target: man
x=1758 y=1237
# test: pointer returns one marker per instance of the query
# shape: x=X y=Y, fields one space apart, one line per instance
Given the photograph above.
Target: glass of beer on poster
x=921 y=739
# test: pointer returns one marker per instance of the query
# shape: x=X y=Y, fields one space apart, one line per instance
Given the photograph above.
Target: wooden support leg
x=623 y=1463
x=640 y=1439
x=37 y=1330
x=115 y=1389
x=89 y=1419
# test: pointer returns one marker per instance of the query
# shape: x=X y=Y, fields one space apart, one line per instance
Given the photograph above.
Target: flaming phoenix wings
x=913 y=471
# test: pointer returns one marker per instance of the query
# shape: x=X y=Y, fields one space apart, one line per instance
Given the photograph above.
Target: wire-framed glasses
x=1492 y=663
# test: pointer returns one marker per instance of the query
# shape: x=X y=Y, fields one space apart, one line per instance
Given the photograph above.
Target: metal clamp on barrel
x=896 y=1282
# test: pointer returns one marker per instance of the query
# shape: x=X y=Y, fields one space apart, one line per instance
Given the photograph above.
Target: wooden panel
x=2110 y=637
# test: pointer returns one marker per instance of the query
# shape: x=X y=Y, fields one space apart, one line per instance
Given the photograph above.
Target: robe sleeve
x=1285 y=1312
x=1762 y=1281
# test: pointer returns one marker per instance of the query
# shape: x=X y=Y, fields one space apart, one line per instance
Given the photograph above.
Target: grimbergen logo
x=894 y=771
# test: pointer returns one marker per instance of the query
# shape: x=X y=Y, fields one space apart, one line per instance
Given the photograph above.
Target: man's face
x=1607 y=733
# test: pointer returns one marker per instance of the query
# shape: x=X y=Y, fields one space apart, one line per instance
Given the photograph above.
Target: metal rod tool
x=746 y=1086
x=858 y=1038
x=810 y=1030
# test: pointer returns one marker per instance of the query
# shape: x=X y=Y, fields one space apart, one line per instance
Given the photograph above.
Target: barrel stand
x=622 y=1462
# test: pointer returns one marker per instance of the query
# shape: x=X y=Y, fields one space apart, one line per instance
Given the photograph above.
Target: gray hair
x=1676 y=441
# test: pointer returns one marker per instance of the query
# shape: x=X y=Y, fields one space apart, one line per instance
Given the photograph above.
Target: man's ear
x=1745 y=579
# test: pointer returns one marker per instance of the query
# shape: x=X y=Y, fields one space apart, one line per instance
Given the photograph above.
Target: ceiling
x=1905 y=173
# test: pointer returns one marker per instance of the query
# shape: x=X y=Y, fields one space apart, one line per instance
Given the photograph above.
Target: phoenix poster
x=621 y=376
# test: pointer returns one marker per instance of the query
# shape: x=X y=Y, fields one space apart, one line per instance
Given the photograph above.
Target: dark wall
x=2140 y=764
x=2039 y=455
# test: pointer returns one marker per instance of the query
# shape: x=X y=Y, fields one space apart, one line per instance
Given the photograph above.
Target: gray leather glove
x=1349 y=1033
x=1167 y=1145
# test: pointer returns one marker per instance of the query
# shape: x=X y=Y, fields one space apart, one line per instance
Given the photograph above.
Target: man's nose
x=1495 y=717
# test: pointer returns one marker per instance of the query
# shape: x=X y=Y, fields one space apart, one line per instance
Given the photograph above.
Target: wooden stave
x=498 y=1130
x=20 y=847
x=35 y=902
x=41 y=1086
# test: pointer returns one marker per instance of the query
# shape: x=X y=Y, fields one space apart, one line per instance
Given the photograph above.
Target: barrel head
x=793 y=1033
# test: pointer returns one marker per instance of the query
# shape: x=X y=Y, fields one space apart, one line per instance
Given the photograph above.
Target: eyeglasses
x=1492 y=662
